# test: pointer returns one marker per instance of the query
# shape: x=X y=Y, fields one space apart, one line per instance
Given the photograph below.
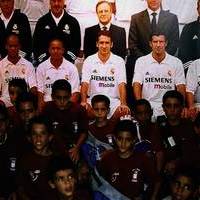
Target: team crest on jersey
x=112 y=71
x=94 y=71
x=66 y=77
x=135 y=173
x=169 y=73
x=47 y=27
x=47 y=78
x=66 y=29
x=34 y=175
x=114 y=176
x=15 y=29
x=23 y=71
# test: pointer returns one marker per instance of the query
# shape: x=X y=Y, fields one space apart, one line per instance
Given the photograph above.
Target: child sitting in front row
x=126 y=170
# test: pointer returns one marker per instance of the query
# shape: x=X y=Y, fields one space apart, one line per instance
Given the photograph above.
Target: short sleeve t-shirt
x=157 y=78
x=193 y=80
x=47 y=74
x=104 y=78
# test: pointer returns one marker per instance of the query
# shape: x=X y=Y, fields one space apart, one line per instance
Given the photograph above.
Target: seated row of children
x=59 y=155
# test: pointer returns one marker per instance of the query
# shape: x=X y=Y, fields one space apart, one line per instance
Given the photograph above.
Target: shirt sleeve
x=121 y=72
x=191 y=78
x=32 y=77
x=75 y=83
x=138 y=75
x=179 y=73
x=86 y=74
x=40 y=79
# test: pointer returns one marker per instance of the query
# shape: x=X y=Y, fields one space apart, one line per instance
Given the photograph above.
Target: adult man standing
x=104 y=73
x=56 y=23
x=13 y=21
x=14 y=66
x=157 y=73
x=148 y=21
x=104 y=13
x=189 y=49
x=54 y=68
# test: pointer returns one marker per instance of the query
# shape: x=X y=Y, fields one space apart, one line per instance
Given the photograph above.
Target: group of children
x=59 y=154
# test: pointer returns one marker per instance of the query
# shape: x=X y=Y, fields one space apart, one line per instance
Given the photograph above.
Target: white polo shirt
x=104 y=78
x=47 y=74
x=22 y=69
x=193 y=80
x=157 y=78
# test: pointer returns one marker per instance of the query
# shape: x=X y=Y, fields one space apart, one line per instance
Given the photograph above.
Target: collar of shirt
x=5 y=20
x=164 y=61
x=21 y=61
x=109 y=61
x=50 y=66
x=57 y=19
x=107 y=26
x=150 y=14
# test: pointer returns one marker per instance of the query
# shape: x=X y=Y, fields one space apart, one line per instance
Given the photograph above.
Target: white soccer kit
x=104 y=78
x=47 y=74
x=157 y=78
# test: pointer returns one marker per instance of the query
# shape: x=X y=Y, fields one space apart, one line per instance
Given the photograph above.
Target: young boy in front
x=148 y=131
x=126 y=170
x=63 y=180
x=69 y=119
x=32 y=180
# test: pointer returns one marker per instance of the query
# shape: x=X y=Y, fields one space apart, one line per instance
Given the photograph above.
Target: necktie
x=153 y=22
x=104 y=28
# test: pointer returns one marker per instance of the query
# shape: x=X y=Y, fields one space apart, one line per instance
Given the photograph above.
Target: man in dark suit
x=189 y=48
x=104 y=13
x=142 y=25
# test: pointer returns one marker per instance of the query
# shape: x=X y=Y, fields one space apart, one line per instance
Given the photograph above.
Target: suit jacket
x=118 y=37
x=19 y=25
x=189 y=48
x=140 y=31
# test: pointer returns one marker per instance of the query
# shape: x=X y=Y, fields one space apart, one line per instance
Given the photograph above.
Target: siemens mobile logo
x=157 y=80
x=102 y=78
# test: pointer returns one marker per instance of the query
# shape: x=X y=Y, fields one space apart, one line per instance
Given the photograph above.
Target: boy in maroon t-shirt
x=126 y=170
x=63 y=181
x=149 y=131
x=102 y=128
x=69 y=119
x=32 y=179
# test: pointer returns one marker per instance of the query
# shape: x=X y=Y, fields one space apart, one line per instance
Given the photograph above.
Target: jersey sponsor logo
x=47 y=27
x=135 y=173
x=102 y=78
x=15 y=29
x=147 y=74
x=23 y=71
x=66 y=77
x=114 y=177
x=106 y=85
x=48 y=85
x=157 y=80
x=165 y=87
x=47 y=78
x=34 y=175
x=66 y=29
x=169 y=73
x=94 y=71
x=11 y=78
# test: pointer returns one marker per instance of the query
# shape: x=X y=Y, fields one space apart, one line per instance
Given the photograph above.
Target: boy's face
x=100 y=111
x=26 y=111
x=14 y=92
x=172 y=108
x=124 y=142
x=64 y=183
x=61 y=98
x=182 y=188
x=40 y=138
x=143 y=114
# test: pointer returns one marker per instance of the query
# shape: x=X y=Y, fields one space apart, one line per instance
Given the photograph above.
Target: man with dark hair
x=56 y=23
x=104 y=13
x=104 y=73
x=54 y=68
x=157 y=73
x=13 y=21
